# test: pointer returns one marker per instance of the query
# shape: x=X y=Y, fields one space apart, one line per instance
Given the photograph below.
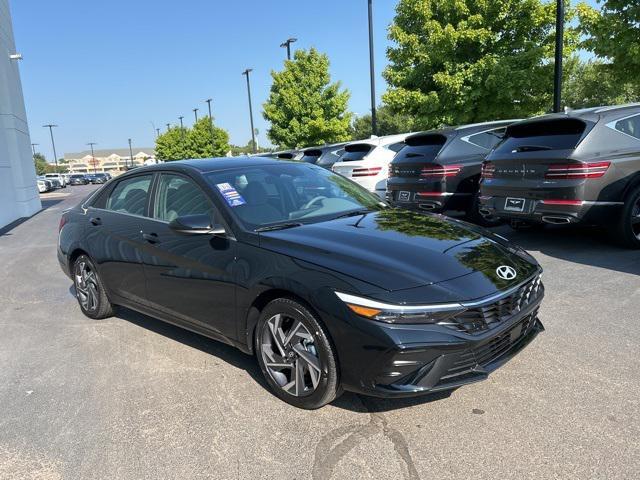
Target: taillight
x=63 y=222
x=440 y=171
x=577 y=170
x=563 y=202
x=366 y=172
x=488 y=170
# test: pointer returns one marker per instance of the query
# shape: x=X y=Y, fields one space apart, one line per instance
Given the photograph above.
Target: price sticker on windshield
x=231 y=195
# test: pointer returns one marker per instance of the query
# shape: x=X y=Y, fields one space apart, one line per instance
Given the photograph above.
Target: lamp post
x=53 y=143
x=130 y=153
x=93 y=157
x=182 y=134
x=33 y=148
x=168 y=126
x=287 y=44
x=374 y=122
x=557 y=74
x=195 y=113
x=157 y=132
x=213 y=148
x=253 y=135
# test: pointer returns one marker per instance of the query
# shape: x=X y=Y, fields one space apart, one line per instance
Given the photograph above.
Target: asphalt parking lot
x=130 y=397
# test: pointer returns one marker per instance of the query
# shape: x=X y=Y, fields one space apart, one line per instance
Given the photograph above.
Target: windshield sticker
x=230 y=194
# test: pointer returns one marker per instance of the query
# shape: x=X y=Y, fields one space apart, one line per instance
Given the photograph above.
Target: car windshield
x=265 y=195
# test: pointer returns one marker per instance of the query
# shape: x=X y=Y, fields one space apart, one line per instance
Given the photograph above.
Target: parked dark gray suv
x=582 y=166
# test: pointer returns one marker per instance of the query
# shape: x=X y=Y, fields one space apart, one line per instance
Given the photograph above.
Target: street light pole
x=53 y=143
x=287 y=44
x=557 y=77
x=374 y=121
x=157 y=132
x=168 y=126
x=182 y=134
x=253 y=135
x=195 y=112
x=33 y=148
x=130 y=153
x=213 y=147
x=93 y=157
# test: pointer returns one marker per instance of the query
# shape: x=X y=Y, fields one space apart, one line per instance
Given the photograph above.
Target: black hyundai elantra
x=330 y=288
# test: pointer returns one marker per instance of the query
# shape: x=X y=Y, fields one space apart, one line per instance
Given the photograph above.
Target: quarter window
x=178 y=196
x=487 y=140
x=130 y=195
x=630 y=126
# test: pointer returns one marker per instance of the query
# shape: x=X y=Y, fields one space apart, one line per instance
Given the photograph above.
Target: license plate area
x=404 y=196
x=512 y=204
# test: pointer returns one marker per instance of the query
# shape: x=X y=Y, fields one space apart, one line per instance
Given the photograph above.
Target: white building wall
x=18 y=191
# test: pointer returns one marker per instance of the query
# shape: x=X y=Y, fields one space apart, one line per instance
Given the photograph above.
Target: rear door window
x=488 y=139
x=629 y=126
x=355 y=152
x=177 y=196
x=556 y=134
x=130 y=195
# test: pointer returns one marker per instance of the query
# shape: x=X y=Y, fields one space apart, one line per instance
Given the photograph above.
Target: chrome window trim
x=467 y=137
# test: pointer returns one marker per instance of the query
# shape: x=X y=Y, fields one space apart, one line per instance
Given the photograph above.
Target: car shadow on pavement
x=577 y=244
x=224 y=352
x=48 y=203
x=365 y=404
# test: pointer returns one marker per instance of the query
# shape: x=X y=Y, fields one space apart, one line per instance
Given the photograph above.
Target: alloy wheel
x=635 y=218
x=290 y=355
x=86 y=285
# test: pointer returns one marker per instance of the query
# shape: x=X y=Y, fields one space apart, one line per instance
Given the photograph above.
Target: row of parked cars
x=580 y=166
x=54 y=181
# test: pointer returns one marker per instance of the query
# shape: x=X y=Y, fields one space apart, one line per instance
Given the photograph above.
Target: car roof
x=465 y=129
x=324 y=148
x=379 y=141
x=211 y=164
x=592 y=114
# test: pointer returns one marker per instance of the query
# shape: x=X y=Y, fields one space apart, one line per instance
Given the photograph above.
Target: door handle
x=151 y=237
x=95 y=221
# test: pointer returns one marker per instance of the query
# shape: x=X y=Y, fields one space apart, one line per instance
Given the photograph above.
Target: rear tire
x=90 y=292
x=295 y=355
x=628 y=229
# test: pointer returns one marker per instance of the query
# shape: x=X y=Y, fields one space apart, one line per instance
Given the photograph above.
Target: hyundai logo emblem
x=506 y=272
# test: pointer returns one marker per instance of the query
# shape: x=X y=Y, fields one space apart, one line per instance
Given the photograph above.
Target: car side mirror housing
x=196 y=224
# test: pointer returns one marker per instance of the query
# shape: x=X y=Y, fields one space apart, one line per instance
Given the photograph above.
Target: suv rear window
x=355 y=152
x=421 y=148
x=556 y=134
x=311 y=156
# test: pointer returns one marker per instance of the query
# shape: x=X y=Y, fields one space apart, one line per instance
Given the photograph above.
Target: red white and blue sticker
x=231 y=195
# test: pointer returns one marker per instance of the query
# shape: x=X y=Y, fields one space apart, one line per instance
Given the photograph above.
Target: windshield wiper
x=532 y=148
x=279 y=226
x=353 y=213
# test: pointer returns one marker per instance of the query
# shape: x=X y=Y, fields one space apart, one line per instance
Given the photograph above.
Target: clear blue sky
x=105 y=70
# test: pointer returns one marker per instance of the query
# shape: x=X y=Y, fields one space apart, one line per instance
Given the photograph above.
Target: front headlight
x=390 y=313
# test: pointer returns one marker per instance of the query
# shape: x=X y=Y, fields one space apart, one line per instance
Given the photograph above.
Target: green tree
x=595 y=83
x=463 y=61
x=304 y=107
x=613 y=32
x=40 y=164
x=389 y=123
x=180 y=143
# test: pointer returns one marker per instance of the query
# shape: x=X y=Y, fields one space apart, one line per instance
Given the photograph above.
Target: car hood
x=399 y=249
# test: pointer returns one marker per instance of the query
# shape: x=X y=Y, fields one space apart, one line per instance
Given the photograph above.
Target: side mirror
x=196 y=224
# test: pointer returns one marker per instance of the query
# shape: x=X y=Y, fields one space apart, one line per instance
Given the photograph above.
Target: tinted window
x=130 y=195
x=630 y=126
x=421 y=148
x=329 y=158
x=557 y=134
x=487 y=140
x=178 y=196
x=396 y=147
x=355 y=152
x=311 y=156
x=268 y=194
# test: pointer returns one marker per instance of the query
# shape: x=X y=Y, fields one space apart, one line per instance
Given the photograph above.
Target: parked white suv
x=57 y=176
x=366 y=162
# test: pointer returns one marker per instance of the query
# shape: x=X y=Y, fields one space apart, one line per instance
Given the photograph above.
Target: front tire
x=628 y=229
x=90 y=292
x=295 y=355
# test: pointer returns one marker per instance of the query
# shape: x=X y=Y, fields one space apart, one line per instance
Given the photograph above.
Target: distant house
x=114 y=161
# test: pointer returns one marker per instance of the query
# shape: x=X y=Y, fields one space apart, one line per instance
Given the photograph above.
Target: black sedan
x=78 y=179
x=326 y=285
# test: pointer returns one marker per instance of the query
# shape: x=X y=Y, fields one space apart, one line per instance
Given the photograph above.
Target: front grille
x=492 y=350
x=479 y=319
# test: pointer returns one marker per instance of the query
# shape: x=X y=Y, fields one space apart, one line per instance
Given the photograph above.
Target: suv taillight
x=488 y=170
x=440 y=171
x=577 y=170
x=366 y=172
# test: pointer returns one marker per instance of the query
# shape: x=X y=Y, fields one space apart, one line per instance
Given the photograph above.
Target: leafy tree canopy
x=462 y=61
x=195 y=142
x=304 y=107
x=613 y=32
x=389 y=123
